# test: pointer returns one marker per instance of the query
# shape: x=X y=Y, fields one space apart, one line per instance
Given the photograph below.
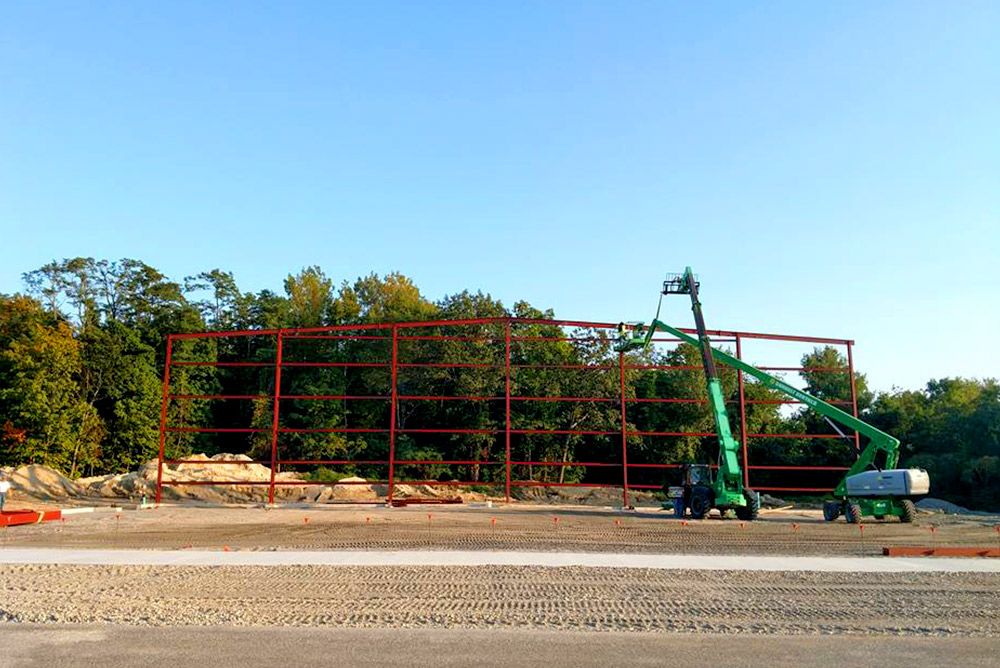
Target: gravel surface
x=572 y=598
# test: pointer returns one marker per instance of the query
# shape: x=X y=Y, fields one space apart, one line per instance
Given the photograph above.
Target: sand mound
x=41 y=482
x=200 y=469
x=241 y=481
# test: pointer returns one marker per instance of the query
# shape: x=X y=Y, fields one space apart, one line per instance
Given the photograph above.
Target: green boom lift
x=872 y=485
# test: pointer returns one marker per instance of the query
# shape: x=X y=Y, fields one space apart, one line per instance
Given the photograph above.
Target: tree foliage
x=82 y=356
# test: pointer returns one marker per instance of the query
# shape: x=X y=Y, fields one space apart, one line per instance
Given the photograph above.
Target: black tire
x=700 y=505
x=853 y=513
x=751 y=511
x=909 y=512
x=831 y=510
x=679 y=510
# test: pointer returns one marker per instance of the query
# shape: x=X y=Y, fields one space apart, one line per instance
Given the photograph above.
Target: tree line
x=82 y=352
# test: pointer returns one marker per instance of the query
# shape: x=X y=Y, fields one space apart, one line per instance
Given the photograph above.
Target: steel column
x=743 y=416
x=621 y=377
x=507 y=409
x=276 y=412
x=854 y=392
x=393 y=398
x=163 y=417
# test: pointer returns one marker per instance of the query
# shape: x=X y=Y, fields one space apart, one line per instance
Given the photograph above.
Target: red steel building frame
x=394 y=333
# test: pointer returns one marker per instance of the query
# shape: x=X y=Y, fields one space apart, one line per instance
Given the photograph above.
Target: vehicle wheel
x=853 y=513
x=909 y=512
x=700 y=505
x=831 y=510
x=751 y=511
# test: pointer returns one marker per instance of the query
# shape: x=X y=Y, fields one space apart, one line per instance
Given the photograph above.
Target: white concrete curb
x=483 y=558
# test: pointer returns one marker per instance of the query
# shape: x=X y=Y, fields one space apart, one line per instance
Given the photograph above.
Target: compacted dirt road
x=575 y=529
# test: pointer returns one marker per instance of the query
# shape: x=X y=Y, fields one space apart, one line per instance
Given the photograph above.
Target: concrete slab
x=489 y=558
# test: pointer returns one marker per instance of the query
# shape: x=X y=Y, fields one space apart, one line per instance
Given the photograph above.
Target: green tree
x=118 y=378
x=45 y=418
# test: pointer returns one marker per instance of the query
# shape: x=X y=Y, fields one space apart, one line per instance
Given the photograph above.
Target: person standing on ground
x=4 y=488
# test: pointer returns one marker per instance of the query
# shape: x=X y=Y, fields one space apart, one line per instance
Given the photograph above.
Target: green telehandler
x=872 y=486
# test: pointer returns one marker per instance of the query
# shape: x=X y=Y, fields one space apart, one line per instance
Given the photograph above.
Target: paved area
x=493 y=558
x=124 y=647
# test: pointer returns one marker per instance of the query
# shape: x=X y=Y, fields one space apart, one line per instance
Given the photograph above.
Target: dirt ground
x=516 y=527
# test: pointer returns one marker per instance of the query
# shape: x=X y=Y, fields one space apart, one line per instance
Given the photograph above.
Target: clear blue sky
x=827 y=168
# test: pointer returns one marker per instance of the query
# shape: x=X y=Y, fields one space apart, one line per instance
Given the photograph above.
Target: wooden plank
x=920 y=551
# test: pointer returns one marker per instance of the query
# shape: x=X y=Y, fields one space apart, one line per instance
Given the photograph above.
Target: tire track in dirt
x=501 y=596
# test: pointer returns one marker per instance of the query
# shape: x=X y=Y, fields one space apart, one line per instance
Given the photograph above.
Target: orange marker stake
x=618 y=523
x=305 y=520
x=493 y=522
x=225 y=548
x=368 y=520
x=743 y=525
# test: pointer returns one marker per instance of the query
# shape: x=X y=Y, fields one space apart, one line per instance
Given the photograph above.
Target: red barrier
x=9 y=518
x=502 y=345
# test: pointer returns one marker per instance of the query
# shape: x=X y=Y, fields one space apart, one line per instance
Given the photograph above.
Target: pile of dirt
x=249 y=484
x=199 y=469
x=41 y=482
x=940 y=505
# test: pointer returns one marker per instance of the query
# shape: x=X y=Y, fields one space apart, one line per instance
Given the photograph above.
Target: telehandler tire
x=853 y=513
x=751 y=511
x=700 y=505
x=831 y=510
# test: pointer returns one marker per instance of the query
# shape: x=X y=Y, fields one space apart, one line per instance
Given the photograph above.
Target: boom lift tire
x=751 y=511
x=831 y=510
x=853 y=513
x=909 y=512
x=701 y=503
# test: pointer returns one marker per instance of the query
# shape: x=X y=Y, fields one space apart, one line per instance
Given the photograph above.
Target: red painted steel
x=393 y=407
x=163 y=417
x=394 y=333
x=507 y=410
x=277 y=408
x=854 y=392
x=621 y=396
x=743 y=415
